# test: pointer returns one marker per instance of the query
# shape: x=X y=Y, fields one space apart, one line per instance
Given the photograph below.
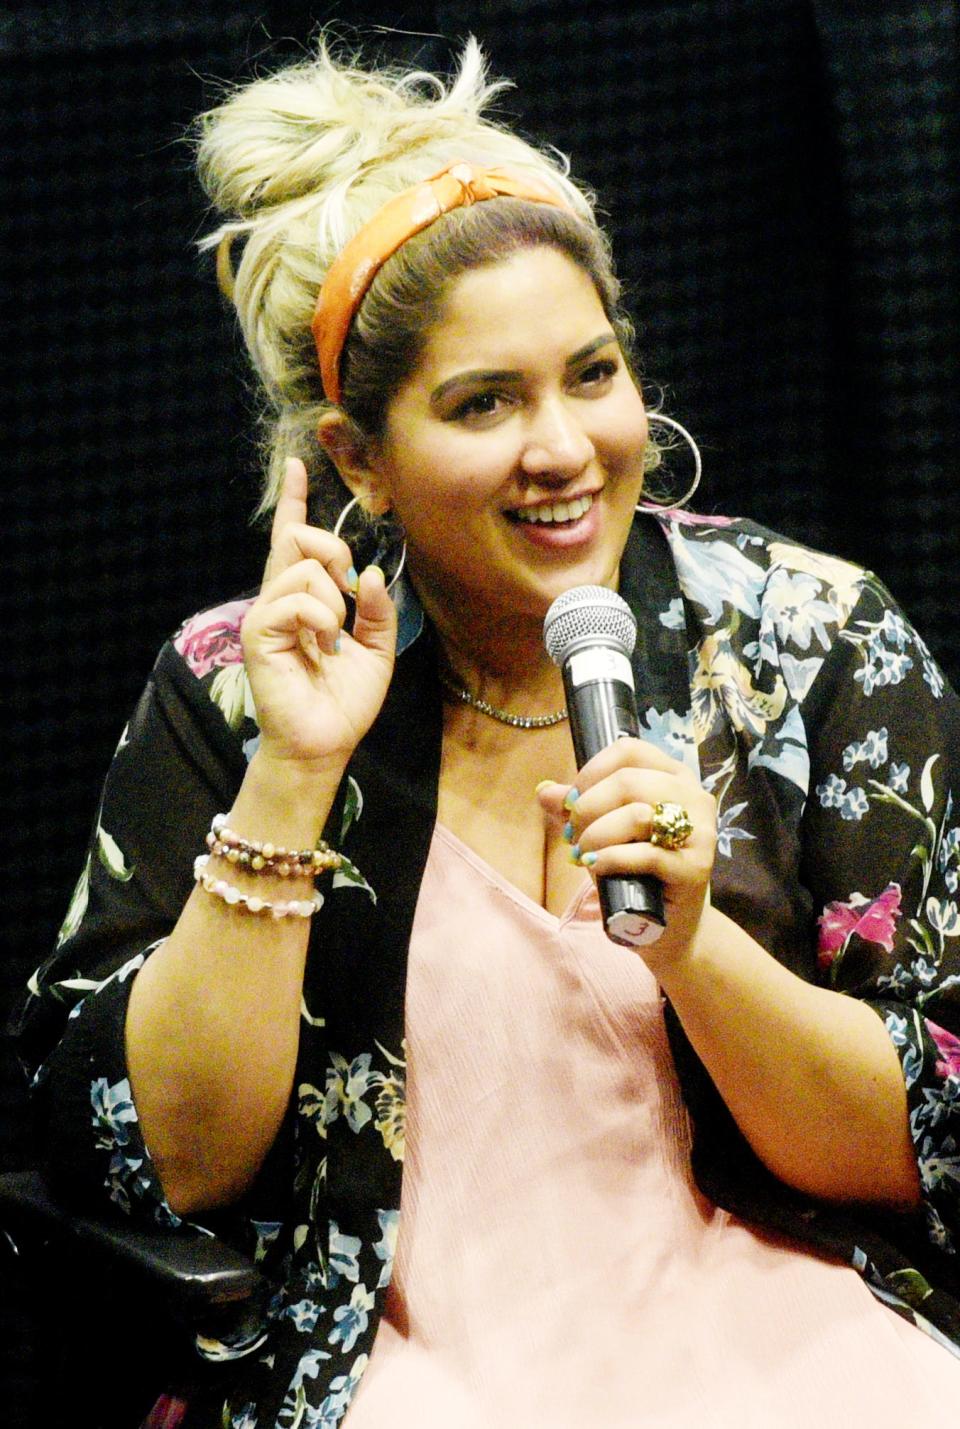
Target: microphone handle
x=601 y=712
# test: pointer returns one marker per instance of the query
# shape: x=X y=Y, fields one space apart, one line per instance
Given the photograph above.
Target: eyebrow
x=492 y=374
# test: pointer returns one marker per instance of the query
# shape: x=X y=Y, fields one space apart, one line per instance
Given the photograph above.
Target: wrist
x=285 y=801
x=684 y=954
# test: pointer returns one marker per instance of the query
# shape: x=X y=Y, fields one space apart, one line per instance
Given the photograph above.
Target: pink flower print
x=949 y=1048
x=872 y=919
x=213 y=638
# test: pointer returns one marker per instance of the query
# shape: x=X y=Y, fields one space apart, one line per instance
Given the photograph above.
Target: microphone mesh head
x=585 y=614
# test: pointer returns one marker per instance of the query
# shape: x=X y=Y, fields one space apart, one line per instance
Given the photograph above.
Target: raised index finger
x=291 y=507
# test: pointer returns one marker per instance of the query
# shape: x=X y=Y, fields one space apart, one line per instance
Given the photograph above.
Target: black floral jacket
x=809 y=706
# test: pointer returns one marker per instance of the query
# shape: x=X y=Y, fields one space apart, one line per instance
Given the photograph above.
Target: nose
x=556 y=444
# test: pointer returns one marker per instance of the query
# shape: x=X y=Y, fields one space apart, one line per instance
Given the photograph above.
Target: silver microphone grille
x=588 y=613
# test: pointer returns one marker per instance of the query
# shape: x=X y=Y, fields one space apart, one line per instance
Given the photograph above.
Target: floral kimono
x=809 y=707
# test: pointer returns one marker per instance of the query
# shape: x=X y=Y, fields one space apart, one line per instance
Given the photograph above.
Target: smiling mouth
x=554 y=513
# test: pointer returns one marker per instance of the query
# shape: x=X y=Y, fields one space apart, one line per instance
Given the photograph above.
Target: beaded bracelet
x=261 y=857
x=250 y=902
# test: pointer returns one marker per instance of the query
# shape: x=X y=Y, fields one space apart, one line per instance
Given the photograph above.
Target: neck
x=497 y=656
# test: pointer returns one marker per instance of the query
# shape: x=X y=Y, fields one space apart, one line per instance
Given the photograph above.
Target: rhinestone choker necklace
x=504 y=716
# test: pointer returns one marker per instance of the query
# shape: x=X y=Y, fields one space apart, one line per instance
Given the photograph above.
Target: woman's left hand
x=609 y=820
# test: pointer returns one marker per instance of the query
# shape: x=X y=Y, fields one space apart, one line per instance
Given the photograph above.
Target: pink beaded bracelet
x=251 y=902
x=256 y=856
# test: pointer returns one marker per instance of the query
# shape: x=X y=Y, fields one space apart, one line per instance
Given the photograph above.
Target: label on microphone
x=599 y=662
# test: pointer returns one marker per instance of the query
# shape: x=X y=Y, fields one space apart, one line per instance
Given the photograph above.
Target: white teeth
x=556 y=511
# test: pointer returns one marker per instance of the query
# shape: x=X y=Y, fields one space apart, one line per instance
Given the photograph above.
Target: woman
x=431 y=307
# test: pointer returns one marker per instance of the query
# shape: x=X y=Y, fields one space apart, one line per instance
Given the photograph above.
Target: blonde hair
x=297 y=161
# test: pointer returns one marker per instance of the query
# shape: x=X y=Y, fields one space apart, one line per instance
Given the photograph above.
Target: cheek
x=625 y=430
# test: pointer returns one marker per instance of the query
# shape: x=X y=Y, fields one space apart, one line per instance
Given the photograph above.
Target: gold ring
x=671 y=826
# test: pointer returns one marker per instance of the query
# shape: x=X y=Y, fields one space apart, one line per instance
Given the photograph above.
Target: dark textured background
x=780 y=177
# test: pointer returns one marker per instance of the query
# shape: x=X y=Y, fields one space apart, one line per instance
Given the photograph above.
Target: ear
x=350 y=451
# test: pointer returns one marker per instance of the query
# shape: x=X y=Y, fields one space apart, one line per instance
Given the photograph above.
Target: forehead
x=538 y=299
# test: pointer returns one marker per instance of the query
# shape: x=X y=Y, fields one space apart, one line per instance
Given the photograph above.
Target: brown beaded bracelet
x=258 y=856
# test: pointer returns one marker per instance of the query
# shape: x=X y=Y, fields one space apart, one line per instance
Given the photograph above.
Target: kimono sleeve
x=882 y=852
x=176 y=765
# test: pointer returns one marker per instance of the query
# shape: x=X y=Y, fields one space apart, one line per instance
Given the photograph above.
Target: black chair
x=119 y=1307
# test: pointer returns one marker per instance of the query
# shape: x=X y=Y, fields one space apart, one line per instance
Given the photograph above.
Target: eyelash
x=596 y=373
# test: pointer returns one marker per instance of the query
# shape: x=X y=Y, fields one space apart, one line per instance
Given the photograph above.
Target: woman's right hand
x=315 y=701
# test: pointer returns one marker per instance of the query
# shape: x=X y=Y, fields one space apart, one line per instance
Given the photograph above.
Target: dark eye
x=481 y=405
x=598 y=372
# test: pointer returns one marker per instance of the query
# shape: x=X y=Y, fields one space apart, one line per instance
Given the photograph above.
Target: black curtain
x=780 y=180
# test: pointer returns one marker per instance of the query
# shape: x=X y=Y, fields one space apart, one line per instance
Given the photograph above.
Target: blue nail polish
x=568 y=833
x=336 y=646
x=588 y=860
x=353 y=580
x=575 y=854
x=573 y=794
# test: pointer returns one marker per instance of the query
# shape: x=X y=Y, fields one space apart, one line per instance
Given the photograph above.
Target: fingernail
x=544 y=784
x=575 y=854
x=573 y=794
x=353 y=580
x=336 y=646
x=588 y=860
x=568 y=833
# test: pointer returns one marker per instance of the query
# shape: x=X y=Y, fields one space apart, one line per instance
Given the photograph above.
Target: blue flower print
x=855 y=805
x=113 y=1112
x=245 y=1418
x=304 y=1315
x=898 y=981
x=872 y=750
x=716 y=577
x=126 y=1180
x=834 y=794
x=671 y=733
x=831 y=792
x=886 y=667
x=347 y=1085
x=799 y=674
x=295 y=1411
x=385 y=1248
x=342 y=1390
x=898 y=777
x=312 y=1106
x=792 y=608
x=923 y=972
x=931 y=671
x=673 y=617
x=309 y=1367
x=894 y=628
x=351 y=1320
x=896 y=1028
x=343 y=1261
x=785 y=752
x=727 y=831
x=949 y=850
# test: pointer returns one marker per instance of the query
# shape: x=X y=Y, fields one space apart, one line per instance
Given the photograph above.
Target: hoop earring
x=338 y=526
x=675 y=426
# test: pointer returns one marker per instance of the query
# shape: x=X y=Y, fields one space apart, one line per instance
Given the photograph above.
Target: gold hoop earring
x=380 y=531
x=675 y=426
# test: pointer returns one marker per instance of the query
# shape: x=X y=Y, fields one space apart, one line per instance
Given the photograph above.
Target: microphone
x=590 y=633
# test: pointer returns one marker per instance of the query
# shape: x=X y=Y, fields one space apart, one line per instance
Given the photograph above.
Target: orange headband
x=355 y=267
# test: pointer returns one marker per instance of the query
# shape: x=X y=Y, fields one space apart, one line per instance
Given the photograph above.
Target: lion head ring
x=671 y=826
